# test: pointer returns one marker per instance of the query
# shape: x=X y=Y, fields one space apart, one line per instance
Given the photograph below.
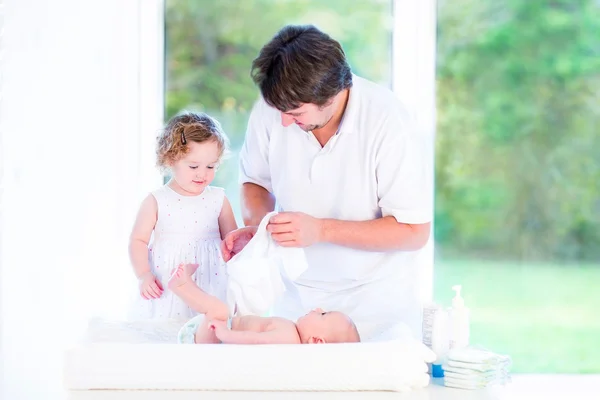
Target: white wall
x=76 y=133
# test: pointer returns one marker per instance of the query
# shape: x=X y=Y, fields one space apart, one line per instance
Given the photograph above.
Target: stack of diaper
x=471 y=368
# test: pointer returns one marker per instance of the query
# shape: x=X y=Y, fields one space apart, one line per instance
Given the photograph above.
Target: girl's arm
x=140 y=236
x=226 y=219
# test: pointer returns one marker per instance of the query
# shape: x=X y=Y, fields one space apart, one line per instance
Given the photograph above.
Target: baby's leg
x=195 y=331
x=204 y=335
x=187 y=269
x=182 y=285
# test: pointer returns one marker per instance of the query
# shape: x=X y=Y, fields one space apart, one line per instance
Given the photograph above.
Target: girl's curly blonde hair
x=172 y=143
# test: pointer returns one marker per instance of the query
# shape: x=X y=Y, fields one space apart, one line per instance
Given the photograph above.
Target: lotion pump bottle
x=459 y=321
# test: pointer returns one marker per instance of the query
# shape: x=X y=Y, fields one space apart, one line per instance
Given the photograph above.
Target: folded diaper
x=471 y=355
x=478 y=367
x=472 y=368
x=474 y=377
x=468 y=372
x=463 y=384
x=259 y=273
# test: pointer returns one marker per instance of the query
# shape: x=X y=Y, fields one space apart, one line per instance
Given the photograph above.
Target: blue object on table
x=437 y=371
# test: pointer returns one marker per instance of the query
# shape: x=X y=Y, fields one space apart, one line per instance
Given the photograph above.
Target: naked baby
x=214 y=325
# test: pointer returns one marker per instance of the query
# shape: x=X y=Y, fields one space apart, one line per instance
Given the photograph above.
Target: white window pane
x=517 y=177
x=210 y=46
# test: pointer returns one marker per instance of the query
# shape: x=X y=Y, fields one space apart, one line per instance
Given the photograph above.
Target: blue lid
x=437 y=371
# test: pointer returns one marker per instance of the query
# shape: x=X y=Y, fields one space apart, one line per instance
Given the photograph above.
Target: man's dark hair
x=301 y=65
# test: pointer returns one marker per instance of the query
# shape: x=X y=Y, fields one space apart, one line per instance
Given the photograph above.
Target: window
x=210 y=46
x=517 y=211
x=517 y=177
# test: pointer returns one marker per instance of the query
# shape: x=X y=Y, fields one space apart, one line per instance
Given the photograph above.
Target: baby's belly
x=250 y=323
x=260 y=324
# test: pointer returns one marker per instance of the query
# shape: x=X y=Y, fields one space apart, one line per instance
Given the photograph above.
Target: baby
x=213 y=325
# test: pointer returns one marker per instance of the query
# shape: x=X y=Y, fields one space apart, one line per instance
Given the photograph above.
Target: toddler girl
x=186 y=219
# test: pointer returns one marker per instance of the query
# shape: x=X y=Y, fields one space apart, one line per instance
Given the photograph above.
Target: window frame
x=414 y=51
x=152 y=88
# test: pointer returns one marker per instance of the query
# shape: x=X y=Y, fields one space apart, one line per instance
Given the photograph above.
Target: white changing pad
x=132 y=332
x=125 y=356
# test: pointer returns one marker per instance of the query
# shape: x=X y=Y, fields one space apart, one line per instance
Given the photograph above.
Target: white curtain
x=77 y=132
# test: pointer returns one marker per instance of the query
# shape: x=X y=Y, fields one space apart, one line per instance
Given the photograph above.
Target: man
x=339 y=156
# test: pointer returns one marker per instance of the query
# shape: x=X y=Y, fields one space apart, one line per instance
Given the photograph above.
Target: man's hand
x=236 y=240
x=295 y=229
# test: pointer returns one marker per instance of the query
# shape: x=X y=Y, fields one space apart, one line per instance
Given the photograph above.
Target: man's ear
x=316 y=340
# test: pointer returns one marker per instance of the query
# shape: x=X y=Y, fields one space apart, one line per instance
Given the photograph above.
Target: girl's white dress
x=187 y=230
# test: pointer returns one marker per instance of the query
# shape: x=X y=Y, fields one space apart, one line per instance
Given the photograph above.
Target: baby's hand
x=150 y=287
x=218 y=327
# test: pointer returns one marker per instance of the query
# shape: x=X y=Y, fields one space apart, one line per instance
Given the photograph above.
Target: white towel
x=384 y=366
x=261 y=272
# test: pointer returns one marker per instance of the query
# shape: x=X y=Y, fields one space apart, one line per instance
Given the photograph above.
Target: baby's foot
x=190 y=268
x=182 y=275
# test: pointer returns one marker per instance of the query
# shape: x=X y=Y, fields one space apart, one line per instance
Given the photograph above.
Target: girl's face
x=196 y=170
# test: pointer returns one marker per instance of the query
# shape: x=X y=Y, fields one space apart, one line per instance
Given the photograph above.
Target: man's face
x=308 y=116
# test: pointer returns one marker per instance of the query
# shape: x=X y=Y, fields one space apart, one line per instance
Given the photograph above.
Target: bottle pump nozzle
x=457 y=301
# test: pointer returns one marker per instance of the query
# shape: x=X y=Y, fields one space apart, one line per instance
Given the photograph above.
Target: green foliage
x=210 y=46
x=517 y=148
x=525 y=83
x=542 y=315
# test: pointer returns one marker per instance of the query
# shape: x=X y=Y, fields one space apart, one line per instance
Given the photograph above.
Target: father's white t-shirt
x=373 y=167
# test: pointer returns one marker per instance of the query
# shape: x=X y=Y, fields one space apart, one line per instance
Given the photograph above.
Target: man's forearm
x=383 y=234
x=256 y=203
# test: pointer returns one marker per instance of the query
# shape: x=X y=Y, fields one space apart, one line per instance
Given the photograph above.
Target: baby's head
x=319 y=326
x=191 y=147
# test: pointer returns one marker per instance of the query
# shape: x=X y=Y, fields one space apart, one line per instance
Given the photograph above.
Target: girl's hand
x=236 y=240
x=150 y=287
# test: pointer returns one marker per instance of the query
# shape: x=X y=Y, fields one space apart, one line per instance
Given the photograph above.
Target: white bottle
x=440 y=342
x=459 y=321
x=429 y=312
